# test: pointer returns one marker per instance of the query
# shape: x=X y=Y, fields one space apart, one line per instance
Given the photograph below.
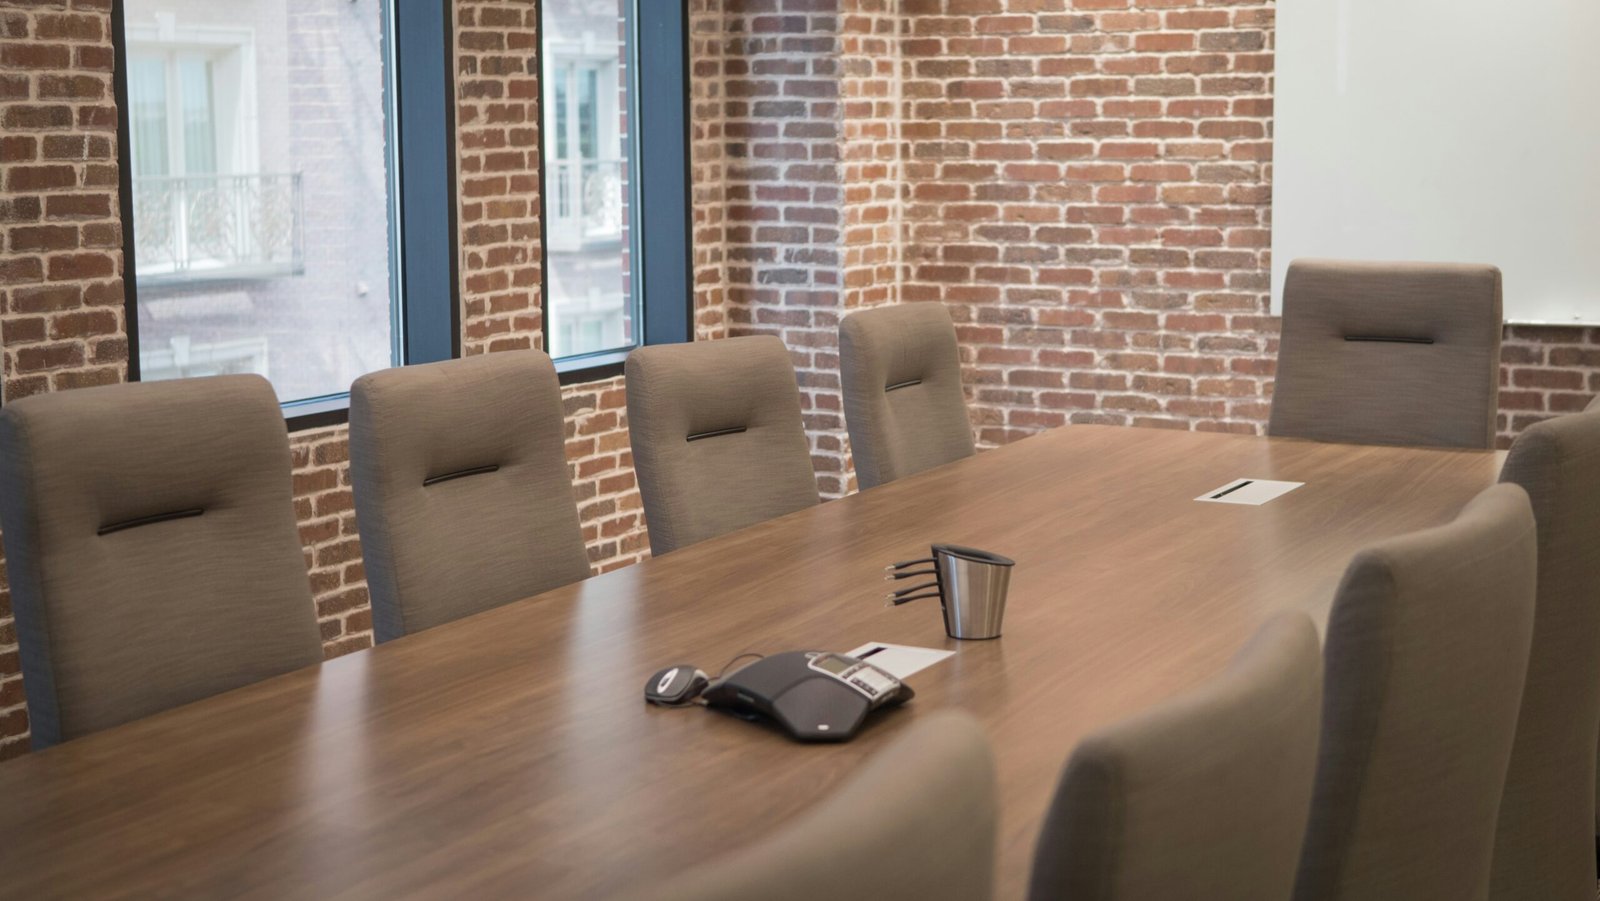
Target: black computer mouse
x=675 y=685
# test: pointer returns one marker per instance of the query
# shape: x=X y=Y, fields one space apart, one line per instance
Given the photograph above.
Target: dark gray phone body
x=812 y=695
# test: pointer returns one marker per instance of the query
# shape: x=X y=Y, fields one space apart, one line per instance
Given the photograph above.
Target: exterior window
x=592 y=306
x=261 y=164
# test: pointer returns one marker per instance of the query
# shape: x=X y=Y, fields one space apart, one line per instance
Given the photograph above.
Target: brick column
x=61 y=321
x=812 y=187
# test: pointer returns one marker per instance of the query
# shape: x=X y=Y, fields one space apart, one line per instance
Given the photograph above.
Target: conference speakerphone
x=812 y=695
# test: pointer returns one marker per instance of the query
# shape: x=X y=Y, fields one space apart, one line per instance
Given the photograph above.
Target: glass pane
x=588 y=123
x=267 y=250
x=199 y=131
x=560 y=106
x=592 y=306
x=147 y=96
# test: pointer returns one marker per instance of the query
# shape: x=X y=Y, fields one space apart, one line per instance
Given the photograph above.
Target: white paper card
x=898 y=660
x=1253 y=492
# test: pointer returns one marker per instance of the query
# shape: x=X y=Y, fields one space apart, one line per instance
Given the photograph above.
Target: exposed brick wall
x=497 y=174
x=872 y=176
x=60 y=276
x=783 y=188
x=1545 y=372
x=1090 y=190
x=602 y=472
x=326 y=511
x=708 y=158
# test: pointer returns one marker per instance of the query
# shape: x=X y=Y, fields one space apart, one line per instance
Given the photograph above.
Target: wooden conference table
x=511 y=754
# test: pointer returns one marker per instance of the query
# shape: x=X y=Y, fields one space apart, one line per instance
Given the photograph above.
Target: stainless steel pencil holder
x=970 y=585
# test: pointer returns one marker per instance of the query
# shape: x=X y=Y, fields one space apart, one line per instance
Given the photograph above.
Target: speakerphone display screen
x=835 y=665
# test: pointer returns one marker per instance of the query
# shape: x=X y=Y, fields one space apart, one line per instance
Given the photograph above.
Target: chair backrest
x=1203 y=797
x=1389 y=353
x=1543 y=847
x=719 y=442
x=1594 y=407
x=462 y=491
x=151 y=541
x=1426 y=652
x=900 y=370
x=917 y=821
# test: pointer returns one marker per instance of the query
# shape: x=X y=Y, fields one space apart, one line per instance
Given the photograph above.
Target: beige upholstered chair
x=1543 y=848
x=1594 y=407
x=903 y=404
x=462 y=492
x=151 y=540
x=1426 y=652
x=1389 y=353
x=917 y=821
x=718 y=439
x=1203 y=797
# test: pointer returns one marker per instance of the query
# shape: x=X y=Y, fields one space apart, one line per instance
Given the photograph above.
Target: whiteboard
x=1463 y=131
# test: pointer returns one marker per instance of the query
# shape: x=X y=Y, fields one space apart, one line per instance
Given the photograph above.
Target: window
x=209 y=211
x=615 y=196
x=265 y=215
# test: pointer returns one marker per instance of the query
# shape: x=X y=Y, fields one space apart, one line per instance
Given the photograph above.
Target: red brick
x=37 y=357
x=37 y=116
x=77 y=206
x=68 y=26
x=39 y=178
x=71 y=87
x=32 y=238
x=14 y=86
x=79 y=266
x=16 y=54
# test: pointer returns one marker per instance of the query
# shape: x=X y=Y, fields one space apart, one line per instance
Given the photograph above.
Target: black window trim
x=663 y=232
x=427 y=274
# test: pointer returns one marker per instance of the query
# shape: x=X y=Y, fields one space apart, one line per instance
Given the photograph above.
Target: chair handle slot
x=905 y=384
x=459 y=474
x=1388 y=339
x=715 y=433
x=138 y=521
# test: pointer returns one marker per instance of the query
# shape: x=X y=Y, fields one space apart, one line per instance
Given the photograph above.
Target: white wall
x=1444 y=130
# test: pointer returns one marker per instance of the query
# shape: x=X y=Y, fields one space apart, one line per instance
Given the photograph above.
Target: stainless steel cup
x=972 y=590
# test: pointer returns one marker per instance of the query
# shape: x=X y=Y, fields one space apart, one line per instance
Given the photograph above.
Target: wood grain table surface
x=511 y=754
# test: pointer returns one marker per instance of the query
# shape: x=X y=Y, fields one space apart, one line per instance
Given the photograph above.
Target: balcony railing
x=585 y=204
x=214 y=227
